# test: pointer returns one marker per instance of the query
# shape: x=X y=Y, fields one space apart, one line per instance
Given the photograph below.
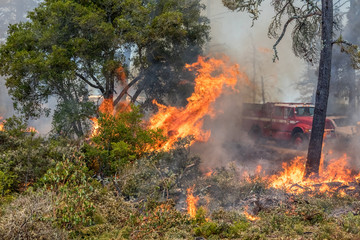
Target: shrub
x=24 y=218
x=119 y=140
x=72 y=185
x=24 y=156
x=158 y=220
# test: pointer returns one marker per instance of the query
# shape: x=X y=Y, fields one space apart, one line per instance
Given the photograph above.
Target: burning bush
x=120 y=140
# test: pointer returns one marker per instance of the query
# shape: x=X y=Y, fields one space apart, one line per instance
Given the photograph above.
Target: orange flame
x=106 y=107
x=191 y=201
x=1 y=125
x=32 y=130
x=212 y=76
x=208 y=174
x=29 y=129
x=291 y=178
x=121 y=75
x=95 y=126
x=258 y=170
x=249 y=216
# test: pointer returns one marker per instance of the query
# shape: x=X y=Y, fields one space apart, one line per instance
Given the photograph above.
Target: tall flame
x=191 y=201
x=212 y=75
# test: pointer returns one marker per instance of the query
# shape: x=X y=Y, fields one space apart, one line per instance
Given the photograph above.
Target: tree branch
x=341 y=41
x=284 y=31
x=136 y=95
x=124 y=91
x=98 y=86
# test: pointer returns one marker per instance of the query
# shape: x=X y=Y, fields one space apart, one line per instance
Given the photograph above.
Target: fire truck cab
x=282 y=121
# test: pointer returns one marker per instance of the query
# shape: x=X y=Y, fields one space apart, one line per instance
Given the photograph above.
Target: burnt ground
x=226 y=188
x=267 y=153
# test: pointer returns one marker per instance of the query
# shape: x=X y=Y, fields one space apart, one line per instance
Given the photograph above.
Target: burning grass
x=164 y=194
x=148 y=201
x=335 y=176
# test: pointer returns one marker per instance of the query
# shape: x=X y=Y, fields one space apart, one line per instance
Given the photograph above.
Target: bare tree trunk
x=322 y=92
x=262 y=90
x=352 y=90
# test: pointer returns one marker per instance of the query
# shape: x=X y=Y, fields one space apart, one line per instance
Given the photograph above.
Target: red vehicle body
x=282 y=121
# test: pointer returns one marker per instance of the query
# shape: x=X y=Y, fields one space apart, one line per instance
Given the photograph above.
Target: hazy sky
x=231 y=33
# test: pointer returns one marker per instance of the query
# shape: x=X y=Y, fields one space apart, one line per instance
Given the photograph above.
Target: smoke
x=232 y=35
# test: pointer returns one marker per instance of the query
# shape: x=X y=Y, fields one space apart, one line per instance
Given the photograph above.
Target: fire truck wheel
x=300 y=140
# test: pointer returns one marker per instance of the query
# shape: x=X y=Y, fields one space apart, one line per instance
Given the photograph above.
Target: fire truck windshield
x=304 y=111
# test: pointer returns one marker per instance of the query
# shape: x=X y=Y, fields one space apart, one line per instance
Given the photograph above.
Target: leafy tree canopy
x=69 y=47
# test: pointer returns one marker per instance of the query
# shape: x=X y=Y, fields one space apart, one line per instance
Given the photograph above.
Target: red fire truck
x=282 y=121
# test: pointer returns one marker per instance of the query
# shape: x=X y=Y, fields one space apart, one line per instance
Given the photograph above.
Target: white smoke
x=232 y=34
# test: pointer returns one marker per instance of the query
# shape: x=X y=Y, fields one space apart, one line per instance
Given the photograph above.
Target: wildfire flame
x=1 y=125
x=31 y=130
x=209 y=173
x=191 y=201
x=291 y=178
x=249 y=216
x=106 y=107
x=212 y=75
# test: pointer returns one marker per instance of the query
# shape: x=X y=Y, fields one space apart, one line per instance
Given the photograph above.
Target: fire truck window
x=278 y=112
x=289 y=112
x=304 y=111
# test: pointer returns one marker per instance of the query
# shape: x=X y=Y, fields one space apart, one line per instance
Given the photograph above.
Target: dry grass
x=25 y=218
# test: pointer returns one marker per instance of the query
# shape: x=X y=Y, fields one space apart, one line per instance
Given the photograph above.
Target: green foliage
x=7 y=182
x=120 y=140
x=72 y=185
x=219 y=225
x=24 y=156
x=351 y=223
x=69 y=47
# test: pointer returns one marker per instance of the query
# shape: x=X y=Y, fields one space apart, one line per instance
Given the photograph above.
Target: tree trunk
x=322 y=92
x=136 y=95
x=124 y=91
x=352 y=89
